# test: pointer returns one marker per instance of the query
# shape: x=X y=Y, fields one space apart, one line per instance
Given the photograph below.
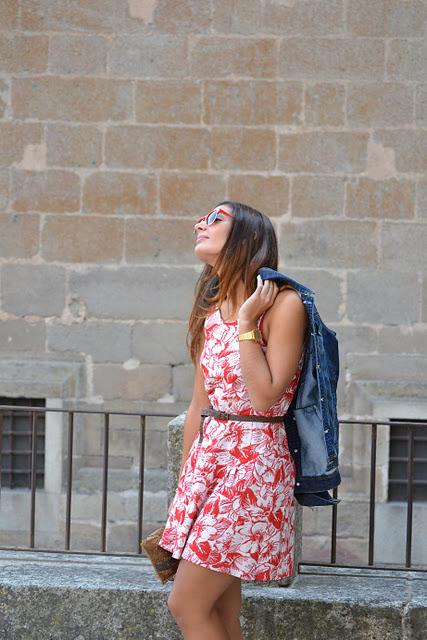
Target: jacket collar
x=267 y=273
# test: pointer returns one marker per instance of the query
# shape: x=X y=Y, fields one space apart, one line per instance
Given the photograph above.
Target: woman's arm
x=268 y=375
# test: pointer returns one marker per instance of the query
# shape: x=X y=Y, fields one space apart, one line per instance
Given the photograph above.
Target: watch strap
x=254 y=334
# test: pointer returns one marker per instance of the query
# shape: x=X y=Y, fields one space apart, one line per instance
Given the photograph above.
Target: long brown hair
x=251 y=244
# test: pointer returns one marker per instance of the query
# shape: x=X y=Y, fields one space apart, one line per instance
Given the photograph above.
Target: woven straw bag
x=164 y=564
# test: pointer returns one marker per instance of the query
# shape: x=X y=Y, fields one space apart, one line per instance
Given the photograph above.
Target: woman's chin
x=204 y=256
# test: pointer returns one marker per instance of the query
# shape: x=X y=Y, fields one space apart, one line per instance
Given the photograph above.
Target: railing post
x=1 y=447
x=410 y=496
x=33 y=419
x=372 y=494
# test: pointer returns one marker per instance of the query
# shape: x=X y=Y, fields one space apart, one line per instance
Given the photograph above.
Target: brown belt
x=223 y=415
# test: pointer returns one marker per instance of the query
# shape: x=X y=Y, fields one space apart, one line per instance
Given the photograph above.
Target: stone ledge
x=95 y=597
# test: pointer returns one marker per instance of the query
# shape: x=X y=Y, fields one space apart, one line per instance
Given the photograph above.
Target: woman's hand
x=261 y=299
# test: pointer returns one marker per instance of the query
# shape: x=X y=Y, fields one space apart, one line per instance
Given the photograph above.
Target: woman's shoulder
x=288 y=302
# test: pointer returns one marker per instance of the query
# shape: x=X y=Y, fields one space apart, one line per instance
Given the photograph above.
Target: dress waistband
x=223 y=415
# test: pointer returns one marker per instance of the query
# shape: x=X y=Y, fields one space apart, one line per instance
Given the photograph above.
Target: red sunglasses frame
x=217 y=210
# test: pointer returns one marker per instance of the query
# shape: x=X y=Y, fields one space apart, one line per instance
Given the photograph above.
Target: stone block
x=331 y=58
x=386 y=18
x=324 y=104
x=103 y=341
x=157 y=147
x=424 y=300
x=356 y=339
x=15 y=138
x=316 y=549
x=377 y=104
x=147 y=382
x=409 y=147
x=185 y=16
x=156 y=452
x=71 y=146
x=395 y=240
x=421 y=199
x=323 y=152
x=154 y=56
x=249 y=102
x=90 y=463
x=303 y=18
x=45 y=191
x=421 y=105
x=135 y=292
x=85 y=536
x=353 y=551
x=220 y=57
x=23 y=53
x=324 y=243
x=19 y=235
x=41 y=15
x=238 y=148
x=160 y=342
x=328 y=289
x=269 y=194
x=42 y=377
x=316 y=196
x=124 y=444
x=352 y=520
x=77 y=54
x=82 y=239
x=393 y=198
x=88 y=430
x=9 y=11
x=183 y=381
x=407 y=60
x=403 y=339
x=174 y=101
x=4 y=97
x=77 y=99
x=33 y=289
x=388 y=366
x=160 y=241
x=122 y=537
x=390 y=521
x=190 y=194
x=21 y=335
x=120 y=193
x=243 y=18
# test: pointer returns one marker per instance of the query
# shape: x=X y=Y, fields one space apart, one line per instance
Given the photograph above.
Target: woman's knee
x=180 y=607
x=175 y=605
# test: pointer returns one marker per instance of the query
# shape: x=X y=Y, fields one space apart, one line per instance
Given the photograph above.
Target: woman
x=232 y=516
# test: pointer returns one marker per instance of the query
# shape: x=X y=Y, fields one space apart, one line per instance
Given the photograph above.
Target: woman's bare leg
x=229 y=606
x=192 y=600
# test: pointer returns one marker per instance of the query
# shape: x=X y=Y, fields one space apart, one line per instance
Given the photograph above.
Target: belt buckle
x=223 y=415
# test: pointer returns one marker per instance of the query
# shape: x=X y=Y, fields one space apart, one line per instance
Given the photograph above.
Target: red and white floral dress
x=233 y=510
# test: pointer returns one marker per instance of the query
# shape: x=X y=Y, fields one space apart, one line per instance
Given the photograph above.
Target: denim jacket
x=311 y=421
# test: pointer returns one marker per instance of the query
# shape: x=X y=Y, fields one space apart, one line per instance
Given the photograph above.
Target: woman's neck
x=240 y=299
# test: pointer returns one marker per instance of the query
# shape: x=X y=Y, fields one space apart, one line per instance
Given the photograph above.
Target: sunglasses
x=214 y=215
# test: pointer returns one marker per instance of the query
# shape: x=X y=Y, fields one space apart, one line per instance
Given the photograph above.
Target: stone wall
x=120 y=122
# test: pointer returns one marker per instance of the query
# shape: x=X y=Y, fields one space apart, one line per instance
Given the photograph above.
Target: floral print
x=233 y=510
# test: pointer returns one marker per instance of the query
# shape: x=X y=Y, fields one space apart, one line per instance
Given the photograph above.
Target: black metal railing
x=33 y=411
x=411 y=426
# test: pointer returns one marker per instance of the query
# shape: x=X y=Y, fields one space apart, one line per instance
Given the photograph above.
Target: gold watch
x=254 y=334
